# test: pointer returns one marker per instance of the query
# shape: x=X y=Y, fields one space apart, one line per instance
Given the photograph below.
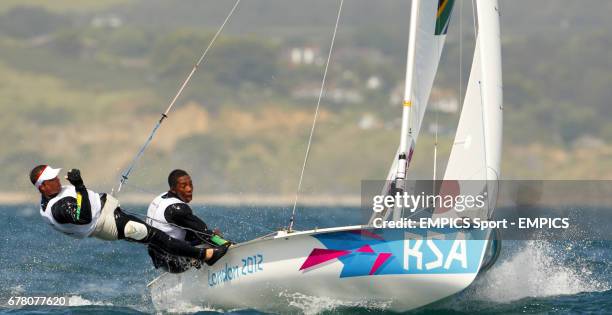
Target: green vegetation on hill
x=62 y=6
x=82 y=84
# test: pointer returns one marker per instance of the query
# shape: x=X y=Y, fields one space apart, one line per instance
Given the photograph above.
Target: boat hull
x=353 y=266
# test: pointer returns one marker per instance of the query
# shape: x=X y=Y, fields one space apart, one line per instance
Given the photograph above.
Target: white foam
x=536 y=270
x=17 y=290
x=168 y=299
x=76 y=300
x=182 y=307
x=310 y=305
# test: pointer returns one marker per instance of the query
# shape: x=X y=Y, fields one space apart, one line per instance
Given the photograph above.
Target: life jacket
x=74 y=230
x=156 y=216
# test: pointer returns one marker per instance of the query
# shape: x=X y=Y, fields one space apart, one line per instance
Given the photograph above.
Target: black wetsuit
x=66 y=211
x=181 y=215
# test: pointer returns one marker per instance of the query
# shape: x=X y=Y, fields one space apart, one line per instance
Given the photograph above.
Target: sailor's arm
x=72 y=210
x=66 y=211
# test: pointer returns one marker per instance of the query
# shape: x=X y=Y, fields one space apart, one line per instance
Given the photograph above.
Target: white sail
x=474 y=163
x=467 y=158
x=428 y=28
x=492 y=96
x=429 y=23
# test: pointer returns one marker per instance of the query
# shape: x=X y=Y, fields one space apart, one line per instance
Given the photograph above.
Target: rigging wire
x=164 y=115
x=143 y=190
x=198 y=233
x=144 y=217
x=314 y=121
x=460 y=88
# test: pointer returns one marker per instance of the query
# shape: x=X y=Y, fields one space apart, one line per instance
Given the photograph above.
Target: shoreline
x=20 y=198
x=586 y=195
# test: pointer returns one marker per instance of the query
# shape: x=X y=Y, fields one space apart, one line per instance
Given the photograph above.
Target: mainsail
x=428 y=27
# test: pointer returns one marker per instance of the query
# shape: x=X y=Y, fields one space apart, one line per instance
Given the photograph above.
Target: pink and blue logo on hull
x=353 y=249
x=384 y=251
x=319 y=256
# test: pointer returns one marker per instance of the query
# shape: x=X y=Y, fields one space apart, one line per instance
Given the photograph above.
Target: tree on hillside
x=240 y=60
x=27 y=22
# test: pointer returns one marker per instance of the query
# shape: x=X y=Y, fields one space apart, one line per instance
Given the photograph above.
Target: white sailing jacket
x=73 y=230
x=156 y=216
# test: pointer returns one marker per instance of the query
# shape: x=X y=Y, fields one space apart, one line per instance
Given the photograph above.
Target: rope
x=126 y=174
x=314 y=122
x=144 y=217
x=198 y=233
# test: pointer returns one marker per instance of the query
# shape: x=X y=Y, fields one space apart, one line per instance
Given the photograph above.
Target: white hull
x=372 y=268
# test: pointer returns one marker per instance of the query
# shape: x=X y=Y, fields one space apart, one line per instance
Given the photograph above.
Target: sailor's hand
x=74 y=177
x=216 y=231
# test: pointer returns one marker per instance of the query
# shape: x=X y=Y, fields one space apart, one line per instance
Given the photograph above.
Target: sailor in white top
x=79 y=212
x=170 y=212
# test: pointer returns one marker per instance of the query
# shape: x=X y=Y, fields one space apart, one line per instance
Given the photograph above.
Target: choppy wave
x=110 y=278
x=538 y=269
x=531 y=278
x=311 y=305
x=77 y=300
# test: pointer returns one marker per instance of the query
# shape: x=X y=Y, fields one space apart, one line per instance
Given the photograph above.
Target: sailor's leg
x=172 y=245
x=133 y=229
x=170 y=263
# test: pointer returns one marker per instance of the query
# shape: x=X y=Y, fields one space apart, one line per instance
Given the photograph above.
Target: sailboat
x=394 y=269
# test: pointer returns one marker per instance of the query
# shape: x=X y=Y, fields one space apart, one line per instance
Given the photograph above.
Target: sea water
x=100 y=277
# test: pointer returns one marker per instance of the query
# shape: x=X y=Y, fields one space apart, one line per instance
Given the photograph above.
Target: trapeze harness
x=103 y=224
x=74 y=230
x=156 y=216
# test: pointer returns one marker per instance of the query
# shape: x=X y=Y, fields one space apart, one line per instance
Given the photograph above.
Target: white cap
x=47 y=174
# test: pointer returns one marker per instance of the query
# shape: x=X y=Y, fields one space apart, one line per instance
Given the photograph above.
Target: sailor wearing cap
x=79 y=212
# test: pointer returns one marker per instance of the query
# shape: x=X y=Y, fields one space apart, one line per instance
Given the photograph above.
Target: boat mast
x=406 y=132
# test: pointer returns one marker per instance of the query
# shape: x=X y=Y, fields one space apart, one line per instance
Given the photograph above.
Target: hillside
x=82 y=84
